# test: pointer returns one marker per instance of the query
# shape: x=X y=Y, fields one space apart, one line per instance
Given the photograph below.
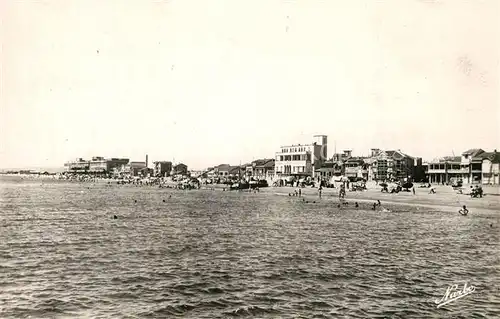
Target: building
x=162 y=168
x=221 y=170
x=341 y=157
x=97 y=165
x=446 y=170
x=235 y=171
x=226 y=171
x=301 y=160
x=471 y=167
x=471 y=163
x=78 y=166
x=491 y=168
x=335 y=166
x=330 y=169
x=260 y=169
x=180 y=169
x=134 y=168
x=355 y=167
x=419 y=173
x=390 y=165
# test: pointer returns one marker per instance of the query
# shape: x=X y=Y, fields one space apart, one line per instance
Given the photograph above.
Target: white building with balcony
x=446 y=170
x=468 y=167
x=301 y=160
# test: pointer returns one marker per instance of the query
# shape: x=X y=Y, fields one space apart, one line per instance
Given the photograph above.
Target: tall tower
x=146 y=160
x=322 y=140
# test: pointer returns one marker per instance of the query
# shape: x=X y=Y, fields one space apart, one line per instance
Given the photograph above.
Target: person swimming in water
x=463 y=211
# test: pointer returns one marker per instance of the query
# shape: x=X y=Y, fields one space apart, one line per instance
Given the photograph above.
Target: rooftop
x=492 y=156
x=297 y=145
x=266 y=162
x=473 y=152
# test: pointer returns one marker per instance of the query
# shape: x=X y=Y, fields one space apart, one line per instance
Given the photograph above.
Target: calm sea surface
x=214 y=254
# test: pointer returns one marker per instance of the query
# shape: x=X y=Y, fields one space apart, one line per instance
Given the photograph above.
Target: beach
x=218 y=254
x=445 y=198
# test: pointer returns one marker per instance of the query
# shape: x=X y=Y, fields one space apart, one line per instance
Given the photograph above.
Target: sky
x=211 y=82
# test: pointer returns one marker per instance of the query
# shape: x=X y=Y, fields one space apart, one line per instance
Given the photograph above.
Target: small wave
x=320 y=304
x=131 y=280
x=213 y=290
x=187 y=286
x=173 y=310
x=220 y=303
x=251 y=311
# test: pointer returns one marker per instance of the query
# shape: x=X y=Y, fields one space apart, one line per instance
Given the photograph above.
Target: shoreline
x=446 y=199
x=443 y=200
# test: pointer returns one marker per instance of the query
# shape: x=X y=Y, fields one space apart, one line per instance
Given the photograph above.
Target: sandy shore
x=444 y=199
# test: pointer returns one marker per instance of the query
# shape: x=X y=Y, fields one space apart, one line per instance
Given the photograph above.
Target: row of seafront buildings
x=310 y=160
x=123 y=167
x=473 y=166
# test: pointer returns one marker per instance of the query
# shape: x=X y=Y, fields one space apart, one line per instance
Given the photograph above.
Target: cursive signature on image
x=453 y=293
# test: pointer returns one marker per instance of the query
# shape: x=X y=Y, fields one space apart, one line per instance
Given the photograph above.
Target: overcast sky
x=209 y=82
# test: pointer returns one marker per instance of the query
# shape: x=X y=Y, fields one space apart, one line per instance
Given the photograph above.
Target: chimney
x=146 y=160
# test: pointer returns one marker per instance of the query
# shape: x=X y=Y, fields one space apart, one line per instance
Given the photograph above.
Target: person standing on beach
x=300 y=192
x=413 y=189
x=319 y=191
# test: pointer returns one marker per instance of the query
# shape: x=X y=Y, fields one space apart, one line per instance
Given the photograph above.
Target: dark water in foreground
x=205 y=254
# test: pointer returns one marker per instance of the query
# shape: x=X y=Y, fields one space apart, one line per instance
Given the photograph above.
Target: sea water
x=214 y=254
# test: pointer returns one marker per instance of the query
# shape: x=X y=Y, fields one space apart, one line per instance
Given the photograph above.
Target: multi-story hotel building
x=391 y=165
x=79 y=165
x=96 y=165
x=301 y=160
